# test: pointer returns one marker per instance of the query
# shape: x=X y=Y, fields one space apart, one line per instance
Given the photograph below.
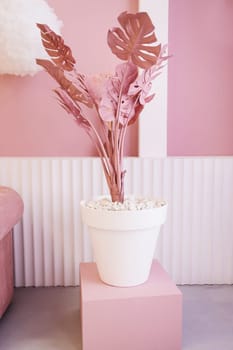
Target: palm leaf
x=58 y=74
x=134 y=41
x=54 y=45
x=72 y=108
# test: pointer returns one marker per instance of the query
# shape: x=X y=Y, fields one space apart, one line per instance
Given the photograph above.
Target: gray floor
x=49 y=318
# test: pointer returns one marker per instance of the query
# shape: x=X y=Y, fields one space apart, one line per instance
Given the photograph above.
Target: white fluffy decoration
x=20 y=42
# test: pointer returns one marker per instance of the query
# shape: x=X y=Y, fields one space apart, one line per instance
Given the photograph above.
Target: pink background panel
x=31 y=121
x=200 y=76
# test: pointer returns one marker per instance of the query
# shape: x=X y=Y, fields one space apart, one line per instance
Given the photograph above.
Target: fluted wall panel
x=195 y=245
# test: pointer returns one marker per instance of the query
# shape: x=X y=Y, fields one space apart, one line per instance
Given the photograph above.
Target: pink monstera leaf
x=115 y=102
x=107 y=108
x=95 y=85
x=134 y=41
x=126 y=74
x=142 y=86
x=127 y=109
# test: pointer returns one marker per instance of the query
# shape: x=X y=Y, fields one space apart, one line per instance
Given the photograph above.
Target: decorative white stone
x=130 y=203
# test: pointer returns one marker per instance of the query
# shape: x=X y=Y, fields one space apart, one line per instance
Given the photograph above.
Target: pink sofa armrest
x=11 y=209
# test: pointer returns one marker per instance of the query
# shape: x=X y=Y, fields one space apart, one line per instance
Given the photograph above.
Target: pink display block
x=145 y=317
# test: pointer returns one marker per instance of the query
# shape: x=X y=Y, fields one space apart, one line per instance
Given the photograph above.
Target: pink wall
x=200 y=89
x=31 y=121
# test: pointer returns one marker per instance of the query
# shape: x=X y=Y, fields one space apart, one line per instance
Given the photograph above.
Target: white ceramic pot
x=123 y=242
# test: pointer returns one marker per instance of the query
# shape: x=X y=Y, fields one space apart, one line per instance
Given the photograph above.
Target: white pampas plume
x=20 y=41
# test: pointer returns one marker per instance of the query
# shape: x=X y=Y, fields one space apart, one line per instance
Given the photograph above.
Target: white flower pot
x=123 y=242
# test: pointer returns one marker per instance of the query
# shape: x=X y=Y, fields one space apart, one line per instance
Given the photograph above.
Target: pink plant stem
x=123 y=131
x=107 y=167
x=108 y=154
x=117 y=154
x=107 y=157
x=99 y=145
x=103 y=160
x=103 y=126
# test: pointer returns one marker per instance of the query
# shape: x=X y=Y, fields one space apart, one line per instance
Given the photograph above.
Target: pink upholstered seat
x=11 y=209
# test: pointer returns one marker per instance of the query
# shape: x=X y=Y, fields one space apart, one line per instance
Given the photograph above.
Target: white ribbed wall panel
x=195 y=244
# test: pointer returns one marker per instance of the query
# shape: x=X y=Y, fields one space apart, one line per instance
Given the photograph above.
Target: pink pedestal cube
x=145 y=317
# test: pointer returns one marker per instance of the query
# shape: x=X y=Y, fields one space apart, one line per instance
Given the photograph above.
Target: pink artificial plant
x=122 y=97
